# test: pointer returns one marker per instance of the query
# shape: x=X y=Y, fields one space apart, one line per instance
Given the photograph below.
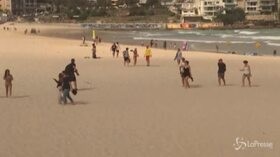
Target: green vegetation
x=229 y=17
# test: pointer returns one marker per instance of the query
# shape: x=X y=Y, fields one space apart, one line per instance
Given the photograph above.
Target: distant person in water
x=185 y=72
x=217 y=48
x=148 y=55
x=164 y=44
x=135 y=56
x=94 y=51
x=83 y=40
x=114 y=49
x=246 y=73
x=59 y=87
x=152 y=43
x=221 y=72
x=8 y=82
x=126 y=57
x=70 y=71
x=274 y=53
x=118 y=49
x=66 y=88
x=178 y=56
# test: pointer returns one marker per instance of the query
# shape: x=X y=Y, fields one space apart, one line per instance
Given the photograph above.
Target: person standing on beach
x=148 y=55
x=185 y=72
x=274 y=52
x=246 y=70
x=66 y=87
x=152 y=43
x=217 y=48
x=114 y=49
x=221 y=72
x=8 y=82
x=126 y=57
x=94 y=51
x=70 y=71
x=59 y=86
x=135 y=56
x=83 y=40
x=118 y=49
x=178 y=56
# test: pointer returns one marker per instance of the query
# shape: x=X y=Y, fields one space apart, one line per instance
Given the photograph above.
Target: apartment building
x=191 y=11
x=210 y=8
x=6 y=5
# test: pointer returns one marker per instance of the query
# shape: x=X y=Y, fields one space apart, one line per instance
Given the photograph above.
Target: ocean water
x=245 y=41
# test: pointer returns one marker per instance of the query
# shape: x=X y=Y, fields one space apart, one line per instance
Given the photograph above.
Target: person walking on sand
x=217 y=48
x=135 y=56
x=59 y=86
x=126 y=57
x=66 y=87
x=185 y=72
x=70 y=71
x=8 y=82
x=178 y=56
x=246 y=70
x=114 y=49
x=221 y=72
x=118 y=49
x=94 y=51
x=148 y=55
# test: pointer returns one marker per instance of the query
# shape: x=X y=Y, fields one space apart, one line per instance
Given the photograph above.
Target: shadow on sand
x=196 y=86
x=16 y=97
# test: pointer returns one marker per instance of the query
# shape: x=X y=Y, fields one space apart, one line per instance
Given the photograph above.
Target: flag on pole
x=93 y=34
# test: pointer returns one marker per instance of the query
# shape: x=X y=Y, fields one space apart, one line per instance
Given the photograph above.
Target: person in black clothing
x=114 y=49
x=221 y=71
x=185 y=72
x=70 y=71
x=66 y=89
x=164 y=44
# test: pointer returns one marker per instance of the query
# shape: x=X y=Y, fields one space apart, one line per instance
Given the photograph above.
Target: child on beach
x=94 y=51
x=148 y=55
x=246 y=70
x=8 y=82
x=126 y=57
x=66 y=87
x=135 y=56
x=59 y=86
x=221 y=72
x=178 y=56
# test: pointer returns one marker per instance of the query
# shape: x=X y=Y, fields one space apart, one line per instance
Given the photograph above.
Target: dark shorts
x=72 y=78
x=221 y=75
x=247 y=75
x=126 y=59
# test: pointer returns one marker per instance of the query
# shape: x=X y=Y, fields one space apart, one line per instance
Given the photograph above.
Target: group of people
x=186 y=75
x=67 y=83
x=126 y=56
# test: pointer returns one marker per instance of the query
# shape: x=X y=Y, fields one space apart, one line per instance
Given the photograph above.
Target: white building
x=210 y=8
x=6 y=5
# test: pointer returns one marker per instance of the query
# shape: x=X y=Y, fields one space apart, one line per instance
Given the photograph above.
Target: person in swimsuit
x=114 y=49
x=94 y=51
x=246 y=70
x=66 y=88
x=126 y=57
x=135 y=56
x=185 y=72
x=221 y=72
x=8 y=82
x=178 y=56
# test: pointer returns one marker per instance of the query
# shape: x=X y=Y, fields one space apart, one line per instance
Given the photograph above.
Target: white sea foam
x=247 y=32
x=272 y=44
x=194 y=41
x=261 y=37
x=190 y=32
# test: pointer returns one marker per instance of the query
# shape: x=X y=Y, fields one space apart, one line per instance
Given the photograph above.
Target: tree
x=231 y=16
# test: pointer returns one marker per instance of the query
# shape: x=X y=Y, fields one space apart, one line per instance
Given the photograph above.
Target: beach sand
x=133 y=111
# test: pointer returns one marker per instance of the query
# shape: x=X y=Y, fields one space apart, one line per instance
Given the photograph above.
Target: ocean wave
x=191 y=32
x=261 y=37
x=195 y=41
x=247 y=32
x=272 y=44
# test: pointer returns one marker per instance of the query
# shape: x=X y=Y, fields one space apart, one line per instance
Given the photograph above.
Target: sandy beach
x=133 y=111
